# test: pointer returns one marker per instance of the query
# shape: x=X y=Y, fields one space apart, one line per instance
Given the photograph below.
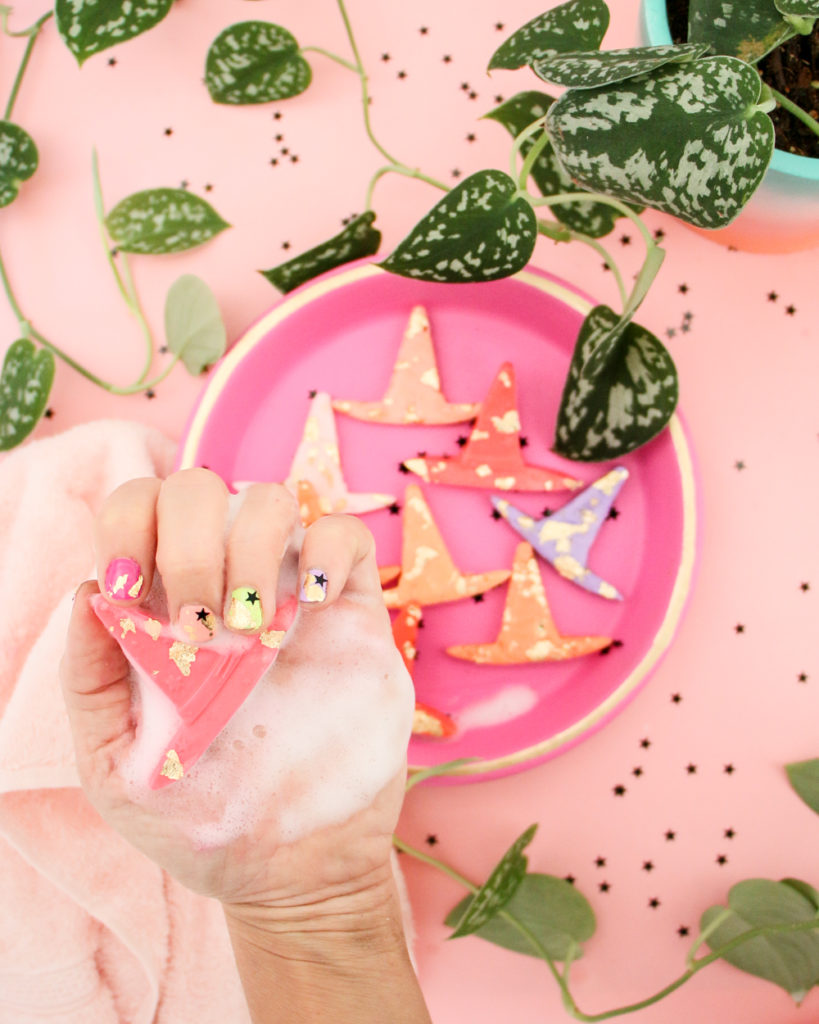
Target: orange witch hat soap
x=414 y=393
x=207 y=684
x=528 y=632
x=428 y=574
x=491 y=456
x=427 y=721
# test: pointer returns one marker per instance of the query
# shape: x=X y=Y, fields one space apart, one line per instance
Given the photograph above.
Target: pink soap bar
x=206 y=683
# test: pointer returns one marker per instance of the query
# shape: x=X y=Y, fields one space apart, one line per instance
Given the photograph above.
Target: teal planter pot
x=783 y=214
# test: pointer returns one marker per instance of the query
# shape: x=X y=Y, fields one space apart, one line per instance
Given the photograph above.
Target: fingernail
x=245 y=610
x=123 y=579
x=197 y=622
x=313 y=587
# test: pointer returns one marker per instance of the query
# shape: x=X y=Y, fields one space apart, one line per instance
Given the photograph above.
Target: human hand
x=298 y=826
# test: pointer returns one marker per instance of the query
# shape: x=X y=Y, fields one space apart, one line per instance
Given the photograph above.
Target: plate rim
x=593 y=720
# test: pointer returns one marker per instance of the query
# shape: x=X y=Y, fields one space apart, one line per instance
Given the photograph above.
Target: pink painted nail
x=197 y=622
x=123 y=579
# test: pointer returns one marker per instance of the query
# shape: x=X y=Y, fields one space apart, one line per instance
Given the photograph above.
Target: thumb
x=95 y=679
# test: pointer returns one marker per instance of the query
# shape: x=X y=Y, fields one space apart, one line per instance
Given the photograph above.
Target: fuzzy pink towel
x=91 y=932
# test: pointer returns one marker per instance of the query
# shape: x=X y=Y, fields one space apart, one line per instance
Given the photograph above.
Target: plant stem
x=331 y=56
x=32 y=33
x=797 y=111
x=578 y=236
x=534 y=152
x=597 y=197
x=408 y=172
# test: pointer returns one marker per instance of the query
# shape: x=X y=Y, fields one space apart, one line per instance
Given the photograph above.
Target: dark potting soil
x=792 y=69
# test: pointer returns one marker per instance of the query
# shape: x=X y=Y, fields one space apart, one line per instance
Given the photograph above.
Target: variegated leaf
x=747 y=30
x=18 y=160
x=594 y=219
x=25 y=383
x=88 y=26
x=255 y=62
x=576 y=25
x=620 y=392
x=480 y=231
x=194 y=329
x=798 y=8
x=162 y=220
x=689 y=140
x=357 y=240
x=592 y=70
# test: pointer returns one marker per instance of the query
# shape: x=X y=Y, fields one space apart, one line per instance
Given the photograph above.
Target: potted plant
x=783 y=215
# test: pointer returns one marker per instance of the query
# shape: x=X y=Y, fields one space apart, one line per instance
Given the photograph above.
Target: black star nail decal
x=320 y=578
x=251 y=597
x=202 y=615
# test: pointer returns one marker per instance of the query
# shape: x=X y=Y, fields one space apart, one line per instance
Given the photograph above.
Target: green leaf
x=788 y=960
x=480 y=231
x=255 y=62
x=804 y=889
x=18 y=160
x=551 y=908
x=747 y=30
x=594 y=219
x=88 y=26
x=357 y=240
x=25 y=383
x=194 y=329
x=498 y=889
x=620 y=391
x=162 y=220
x=688 y=139
x=804 y=777
x=577 y=25
x=798 y=9
x=592 y=70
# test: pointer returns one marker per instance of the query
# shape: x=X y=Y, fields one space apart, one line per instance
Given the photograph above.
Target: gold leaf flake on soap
x=272 y=637
x=183 y=656
x=153 y=628
x=172 y=768
x=127 y=626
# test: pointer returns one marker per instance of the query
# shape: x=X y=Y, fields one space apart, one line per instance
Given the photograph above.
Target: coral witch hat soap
x=207 y=684
x=491 y=456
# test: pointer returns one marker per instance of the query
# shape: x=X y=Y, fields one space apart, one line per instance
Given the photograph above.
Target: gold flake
x=607 y=590
x=504 y=483
x=526 y=522
x=430 y=378
x=172 y=768
x=509 y=423
x=127 y=626
x=183 y=656
x=135 y=589
x=483 y=470
x=608 y=483
x=153 y=628
x=272 y=637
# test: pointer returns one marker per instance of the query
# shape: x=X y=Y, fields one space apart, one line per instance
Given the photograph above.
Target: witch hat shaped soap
x=428 y=574
x=492 y=456
x=207 y=684
x=528 y=632
x=565 y=537
x=317 y=462
x=414 y=393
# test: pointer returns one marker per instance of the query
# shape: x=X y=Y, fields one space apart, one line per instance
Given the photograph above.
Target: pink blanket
x=91 y=932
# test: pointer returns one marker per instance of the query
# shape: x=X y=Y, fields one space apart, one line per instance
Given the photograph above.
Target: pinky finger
x=338 y=556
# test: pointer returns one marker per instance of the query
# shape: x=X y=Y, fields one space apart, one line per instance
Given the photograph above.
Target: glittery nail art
x=123 y=579
x=197 y=622
x=245 y=610
x=313 y=587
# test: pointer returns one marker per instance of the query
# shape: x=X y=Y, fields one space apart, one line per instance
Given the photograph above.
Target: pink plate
x=341 y=334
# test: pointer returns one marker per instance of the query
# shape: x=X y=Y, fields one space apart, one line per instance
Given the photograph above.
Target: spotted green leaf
x=25 y=383
x=498 y=889
x=789 y=960
x=551 y=908
x=747 y=30
x=576 y=25
x=689 y=139
x=88 y=26
x=804 y=777
x=594 y=219
x=18 y=160
x=480 y=231
x=255 y=62
x=805 y=889
x=357 y=240
x=798 y=9
x=194 y=329
x=592 y=70
x=162 y=220
x=620 y=391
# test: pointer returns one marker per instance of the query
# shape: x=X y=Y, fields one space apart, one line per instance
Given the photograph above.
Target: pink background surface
x=747 y=356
